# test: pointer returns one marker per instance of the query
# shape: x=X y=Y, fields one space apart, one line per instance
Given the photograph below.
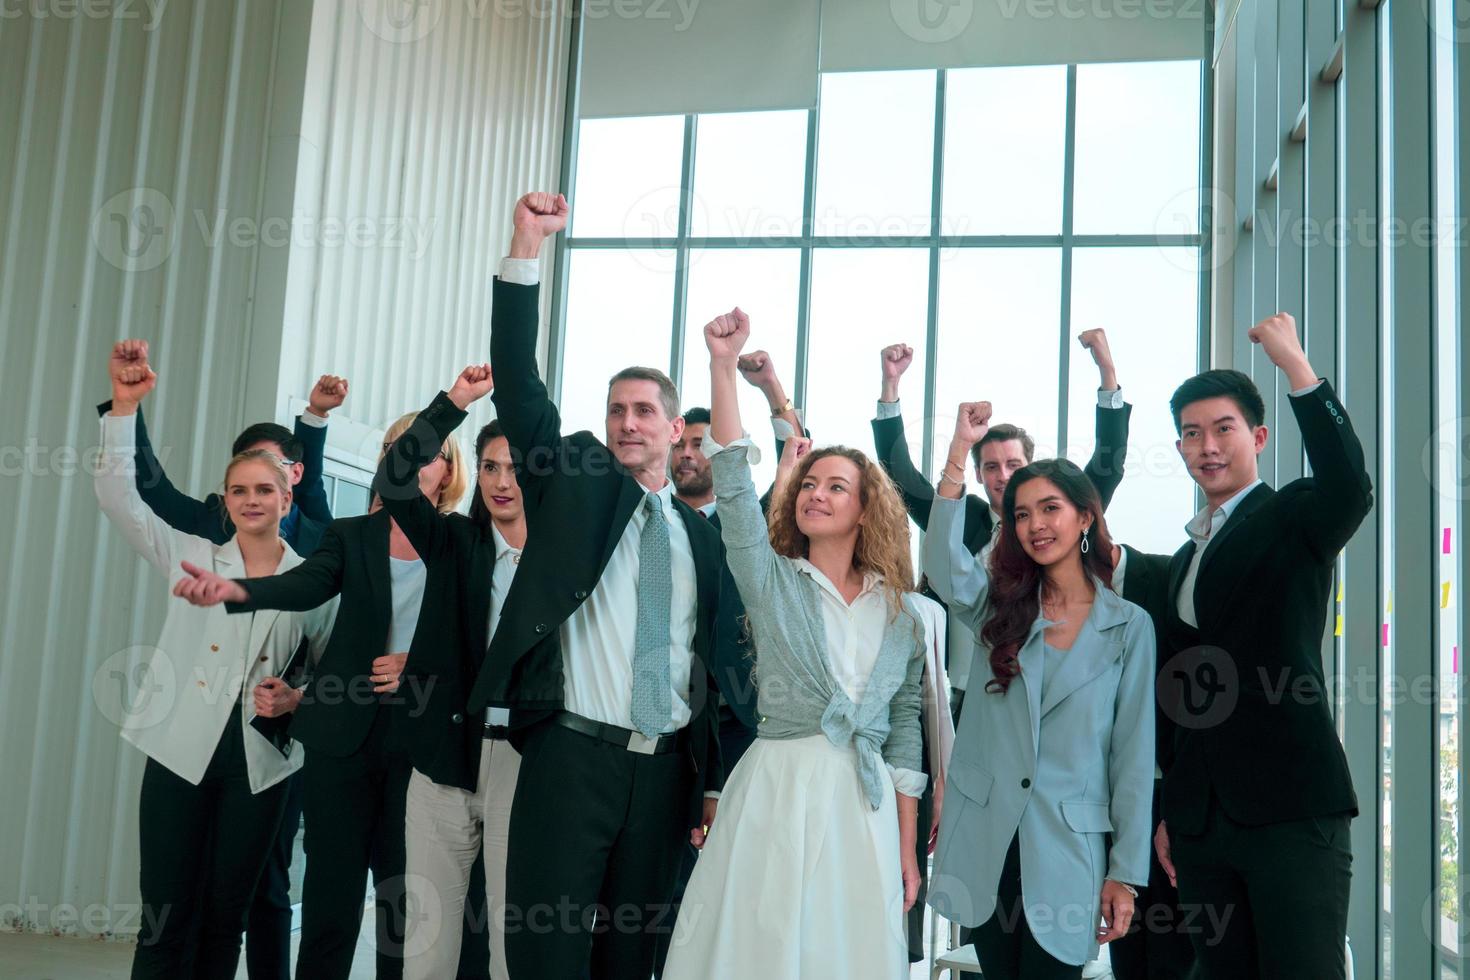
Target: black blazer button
x=457 y=718
x=580 y=594
x=1025 y=784
x=540 y=627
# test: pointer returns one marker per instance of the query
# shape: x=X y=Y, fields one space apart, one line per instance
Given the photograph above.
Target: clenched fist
x=1278 y=338
x=538 y=216
x=972 y=422
x=132 y=378
x=726 y=334
x=473 y=383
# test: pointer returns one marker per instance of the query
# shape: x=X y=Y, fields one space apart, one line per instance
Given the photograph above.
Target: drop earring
x=1085 y=546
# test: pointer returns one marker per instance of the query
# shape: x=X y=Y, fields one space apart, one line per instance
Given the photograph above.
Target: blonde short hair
x=459 y=475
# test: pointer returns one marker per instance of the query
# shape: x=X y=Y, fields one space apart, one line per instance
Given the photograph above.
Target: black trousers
x=202 y=849
x=268 y=929
x=1272 y=900
x=596 y=836
x=1157 y=946
x=1006 y=947
x=354 y=825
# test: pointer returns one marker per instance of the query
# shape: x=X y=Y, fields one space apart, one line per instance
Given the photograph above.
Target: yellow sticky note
x=1390 y=600
x=1444 y=596
x=1339 y=590
x=1338 y=631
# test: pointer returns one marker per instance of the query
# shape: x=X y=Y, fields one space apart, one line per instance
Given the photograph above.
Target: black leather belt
x=500 y=732
x=623 y=738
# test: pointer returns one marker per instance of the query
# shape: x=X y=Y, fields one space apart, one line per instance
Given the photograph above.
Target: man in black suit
x=601 y=655
x=1005 y=449
x=268 y=933
x=1257 y=795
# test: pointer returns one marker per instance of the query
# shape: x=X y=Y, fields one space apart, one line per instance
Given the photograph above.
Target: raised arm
x=532 y=423
x=1340 y=494
x=742 y=524
x=954 y=573
x=889 y=442
x=115 y=479
x=1110 y=448
x=311 y=431
x=397 y=480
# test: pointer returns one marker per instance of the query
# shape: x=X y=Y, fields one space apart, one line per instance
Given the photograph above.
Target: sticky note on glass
x=1338 y=631
x=1339 y=591
x=1446 y=540
x=1390 y=602
x=1385 y=634
x=1444 y=596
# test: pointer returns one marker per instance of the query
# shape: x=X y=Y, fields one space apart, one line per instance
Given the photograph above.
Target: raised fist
x=726 y=334
x=897 y=359
x=132 y=378
x=756 y=367
x=328 y=393
x=473 y=383
x=541 y=214
x=972 y=421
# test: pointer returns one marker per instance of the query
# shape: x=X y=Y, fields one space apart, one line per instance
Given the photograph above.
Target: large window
x=983 y=216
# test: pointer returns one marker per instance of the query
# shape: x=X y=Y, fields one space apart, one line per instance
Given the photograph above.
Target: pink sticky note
x=1446 y=540
x=1385 y=634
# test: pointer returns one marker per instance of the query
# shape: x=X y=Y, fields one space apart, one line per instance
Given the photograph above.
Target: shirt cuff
x=313 y=420
x=712 y=794
x=1110 y=399
x=711 y=449
x=888 y=410
x=119 y=433
x=520 y=272
x=1308 y=389
x=907 y=781
x=783 y=428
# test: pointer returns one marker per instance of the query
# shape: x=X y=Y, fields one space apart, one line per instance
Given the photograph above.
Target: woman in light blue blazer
x=1057 y=754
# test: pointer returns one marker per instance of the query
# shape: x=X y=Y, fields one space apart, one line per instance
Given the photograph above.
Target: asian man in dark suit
x=1257 y=795
x=602 y=655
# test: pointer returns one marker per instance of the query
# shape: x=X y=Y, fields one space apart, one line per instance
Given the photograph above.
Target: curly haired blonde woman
x=812 y=865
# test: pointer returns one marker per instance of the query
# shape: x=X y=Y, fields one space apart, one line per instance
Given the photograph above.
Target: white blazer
x=206 y=661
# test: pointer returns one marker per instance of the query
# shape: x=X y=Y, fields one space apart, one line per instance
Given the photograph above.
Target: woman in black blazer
x=453 y=816
x=358 y=715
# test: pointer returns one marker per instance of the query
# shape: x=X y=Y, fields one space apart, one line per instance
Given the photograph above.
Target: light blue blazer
x=1067 y=770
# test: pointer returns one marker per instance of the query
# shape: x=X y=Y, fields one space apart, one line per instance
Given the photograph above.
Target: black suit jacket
x=339 y=705
x=578 y=500
x=1247 y=704
x=460 y=555
x=208 y=518
x=1104 y=469
x=1146 y=584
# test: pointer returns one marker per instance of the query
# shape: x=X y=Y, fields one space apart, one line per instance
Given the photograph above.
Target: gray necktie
x=652 y=697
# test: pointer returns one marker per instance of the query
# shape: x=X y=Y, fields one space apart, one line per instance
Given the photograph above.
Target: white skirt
x=800 y=877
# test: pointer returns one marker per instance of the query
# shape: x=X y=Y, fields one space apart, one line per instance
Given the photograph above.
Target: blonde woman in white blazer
x=213 y=787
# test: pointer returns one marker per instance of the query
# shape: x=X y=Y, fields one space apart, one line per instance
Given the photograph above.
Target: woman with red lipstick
x=1051 y=779
x=451 y=821
x=363 y=713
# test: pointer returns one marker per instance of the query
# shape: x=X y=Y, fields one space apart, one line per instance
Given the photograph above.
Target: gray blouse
x=798 y=695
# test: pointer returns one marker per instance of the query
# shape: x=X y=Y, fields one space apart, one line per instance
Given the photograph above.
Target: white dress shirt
x=597 y=640
x=507 y=560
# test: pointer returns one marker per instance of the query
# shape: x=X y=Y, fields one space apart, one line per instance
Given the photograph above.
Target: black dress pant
x=1157 y=946
x=596 y=836
x=1006 y=947
x=1268 y=902
x=354 y=825
x=202 y=849
x=268 y=930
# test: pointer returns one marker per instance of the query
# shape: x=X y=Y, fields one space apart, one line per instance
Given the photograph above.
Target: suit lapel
x=262 y=620
x=1031 y=658
x=375 y=556
x=1239 y=516
x=1083 y=663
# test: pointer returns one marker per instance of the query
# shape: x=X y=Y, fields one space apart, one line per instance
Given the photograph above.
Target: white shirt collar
x=871 y=580
x=1204 y=524
x=502 y=546
x=708 y=510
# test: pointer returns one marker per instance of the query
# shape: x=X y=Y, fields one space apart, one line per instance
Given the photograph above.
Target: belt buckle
x=642 y=744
